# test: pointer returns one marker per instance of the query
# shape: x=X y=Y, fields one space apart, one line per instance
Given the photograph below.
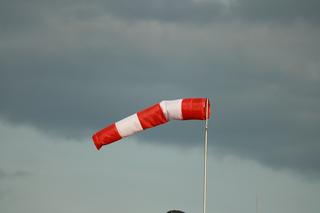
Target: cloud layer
x=71 y=68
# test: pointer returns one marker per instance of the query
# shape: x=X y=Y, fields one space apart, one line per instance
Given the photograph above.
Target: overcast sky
x=68 y=68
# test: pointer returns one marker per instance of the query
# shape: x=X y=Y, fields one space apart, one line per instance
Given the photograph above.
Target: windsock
x=160 y=113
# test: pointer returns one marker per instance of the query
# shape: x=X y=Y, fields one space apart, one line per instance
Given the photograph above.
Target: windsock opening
x=195 y=108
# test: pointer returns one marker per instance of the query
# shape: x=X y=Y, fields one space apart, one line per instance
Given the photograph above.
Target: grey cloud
x=2 y=174
x=17 y=174
x=208 y=11
x=4 y=193
x=81 y=70
x=166 y=10
x=6 y=177
x=277 y=11
x=18 y=15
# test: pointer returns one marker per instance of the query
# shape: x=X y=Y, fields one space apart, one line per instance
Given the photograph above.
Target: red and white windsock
x=160 y=113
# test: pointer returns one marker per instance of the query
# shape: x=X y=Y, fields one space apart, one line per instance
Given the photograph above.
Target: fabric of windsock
x=160 y=113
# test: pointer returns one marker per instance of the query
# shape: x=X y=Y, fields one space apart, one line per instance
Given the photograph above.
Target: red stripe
x=151 y=116
x=106 y=136
x=194 y=108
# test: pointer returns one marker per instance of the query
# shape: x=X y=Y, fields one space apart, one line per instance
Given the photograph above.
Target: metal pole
x=257 y=203
x=205 y=158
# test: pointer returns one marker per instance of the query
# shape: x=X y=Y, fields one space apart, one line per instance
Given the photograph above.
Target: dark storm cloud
x=277 y=11
x=20 y=15
x=207 y=11
x=166 y=10
x=71 y=68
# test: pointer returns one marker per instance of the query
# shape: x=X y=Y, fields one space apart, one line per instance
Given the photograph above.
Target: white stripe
x=129 y=125
x=172 y=109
